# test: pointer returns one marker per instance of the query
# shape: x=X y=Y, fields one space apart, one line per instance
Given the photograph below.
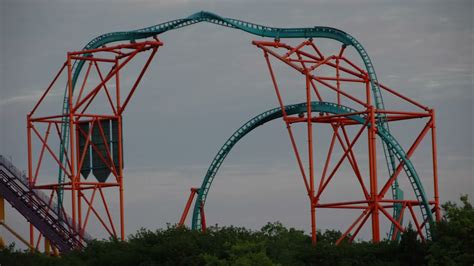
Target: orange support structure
x=326 y=80
x=182 y=220
x=91 y=126
x=188 y=205
x=87 y=198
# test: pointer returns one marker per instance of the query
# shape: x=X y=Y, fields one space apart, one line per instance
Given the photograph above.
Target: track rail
x=258 y=30
x=318 y=107
x=36 y=210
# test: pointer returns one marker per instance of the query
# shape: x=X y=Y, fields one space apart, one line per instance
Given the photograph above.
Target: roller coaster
x=86 y=136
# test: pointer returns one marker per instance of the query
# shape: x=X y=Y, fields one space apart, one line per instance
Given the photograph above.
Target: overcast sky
x=208 y=80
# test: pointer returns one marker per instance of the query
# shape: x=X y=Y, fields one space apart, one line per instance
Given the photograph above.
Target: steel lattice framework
x=80 y=131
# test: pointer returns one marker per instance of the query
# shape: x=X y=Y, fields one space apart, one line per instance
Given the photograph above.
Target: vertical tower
x=337 y=81
x=85 y=140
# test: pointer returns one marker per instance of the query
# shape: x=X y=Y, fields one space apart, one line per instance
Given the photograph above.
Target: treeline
x=452 y=244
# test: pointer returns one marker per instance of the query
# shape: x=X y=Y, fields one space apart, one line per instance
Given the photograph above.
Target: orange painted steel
x=306 y=59
x=112 y=60
x=184 y=215
x=317 y=87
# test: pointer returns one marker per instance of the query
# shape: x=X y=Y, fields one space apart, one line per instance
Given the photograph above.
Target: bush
x=452 y=244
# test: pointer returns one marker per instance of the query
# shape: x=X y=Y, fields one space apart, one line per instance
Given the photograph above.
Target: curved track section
x=252 y=28
x=324 y=107
x=255 y=29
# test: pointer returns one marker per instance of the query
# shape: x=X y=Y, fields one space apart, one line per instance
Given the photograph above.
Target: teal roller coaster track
x=392 y=150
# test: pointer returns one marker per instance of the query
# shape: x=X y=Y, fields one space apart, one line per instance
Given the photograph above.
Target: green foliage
x=273 y=244
x=453 y=237
x=410 y=248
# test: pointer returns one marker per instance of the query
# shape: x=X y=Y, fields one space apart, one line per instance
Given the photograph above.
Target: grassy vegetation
x=274 y=244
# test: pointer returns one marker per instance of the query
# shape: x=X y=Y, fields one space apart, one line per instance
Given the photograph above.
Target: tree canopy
x=274 y=244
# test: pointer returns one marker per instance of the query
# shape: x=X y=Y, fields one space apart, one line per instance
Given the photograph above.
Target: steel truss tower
x=307 y=59
x=93 y=120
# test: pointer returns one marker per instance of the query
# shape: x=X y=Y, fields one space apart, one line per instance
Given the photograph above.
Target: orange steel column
x=203 y=219
x=309 y=124
x=120 y=151
x=30 y=174
x=188 y=205
x=122 y=218
x=373 y=177
x=435 y=164
x=79 y=193
x=71 y=140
